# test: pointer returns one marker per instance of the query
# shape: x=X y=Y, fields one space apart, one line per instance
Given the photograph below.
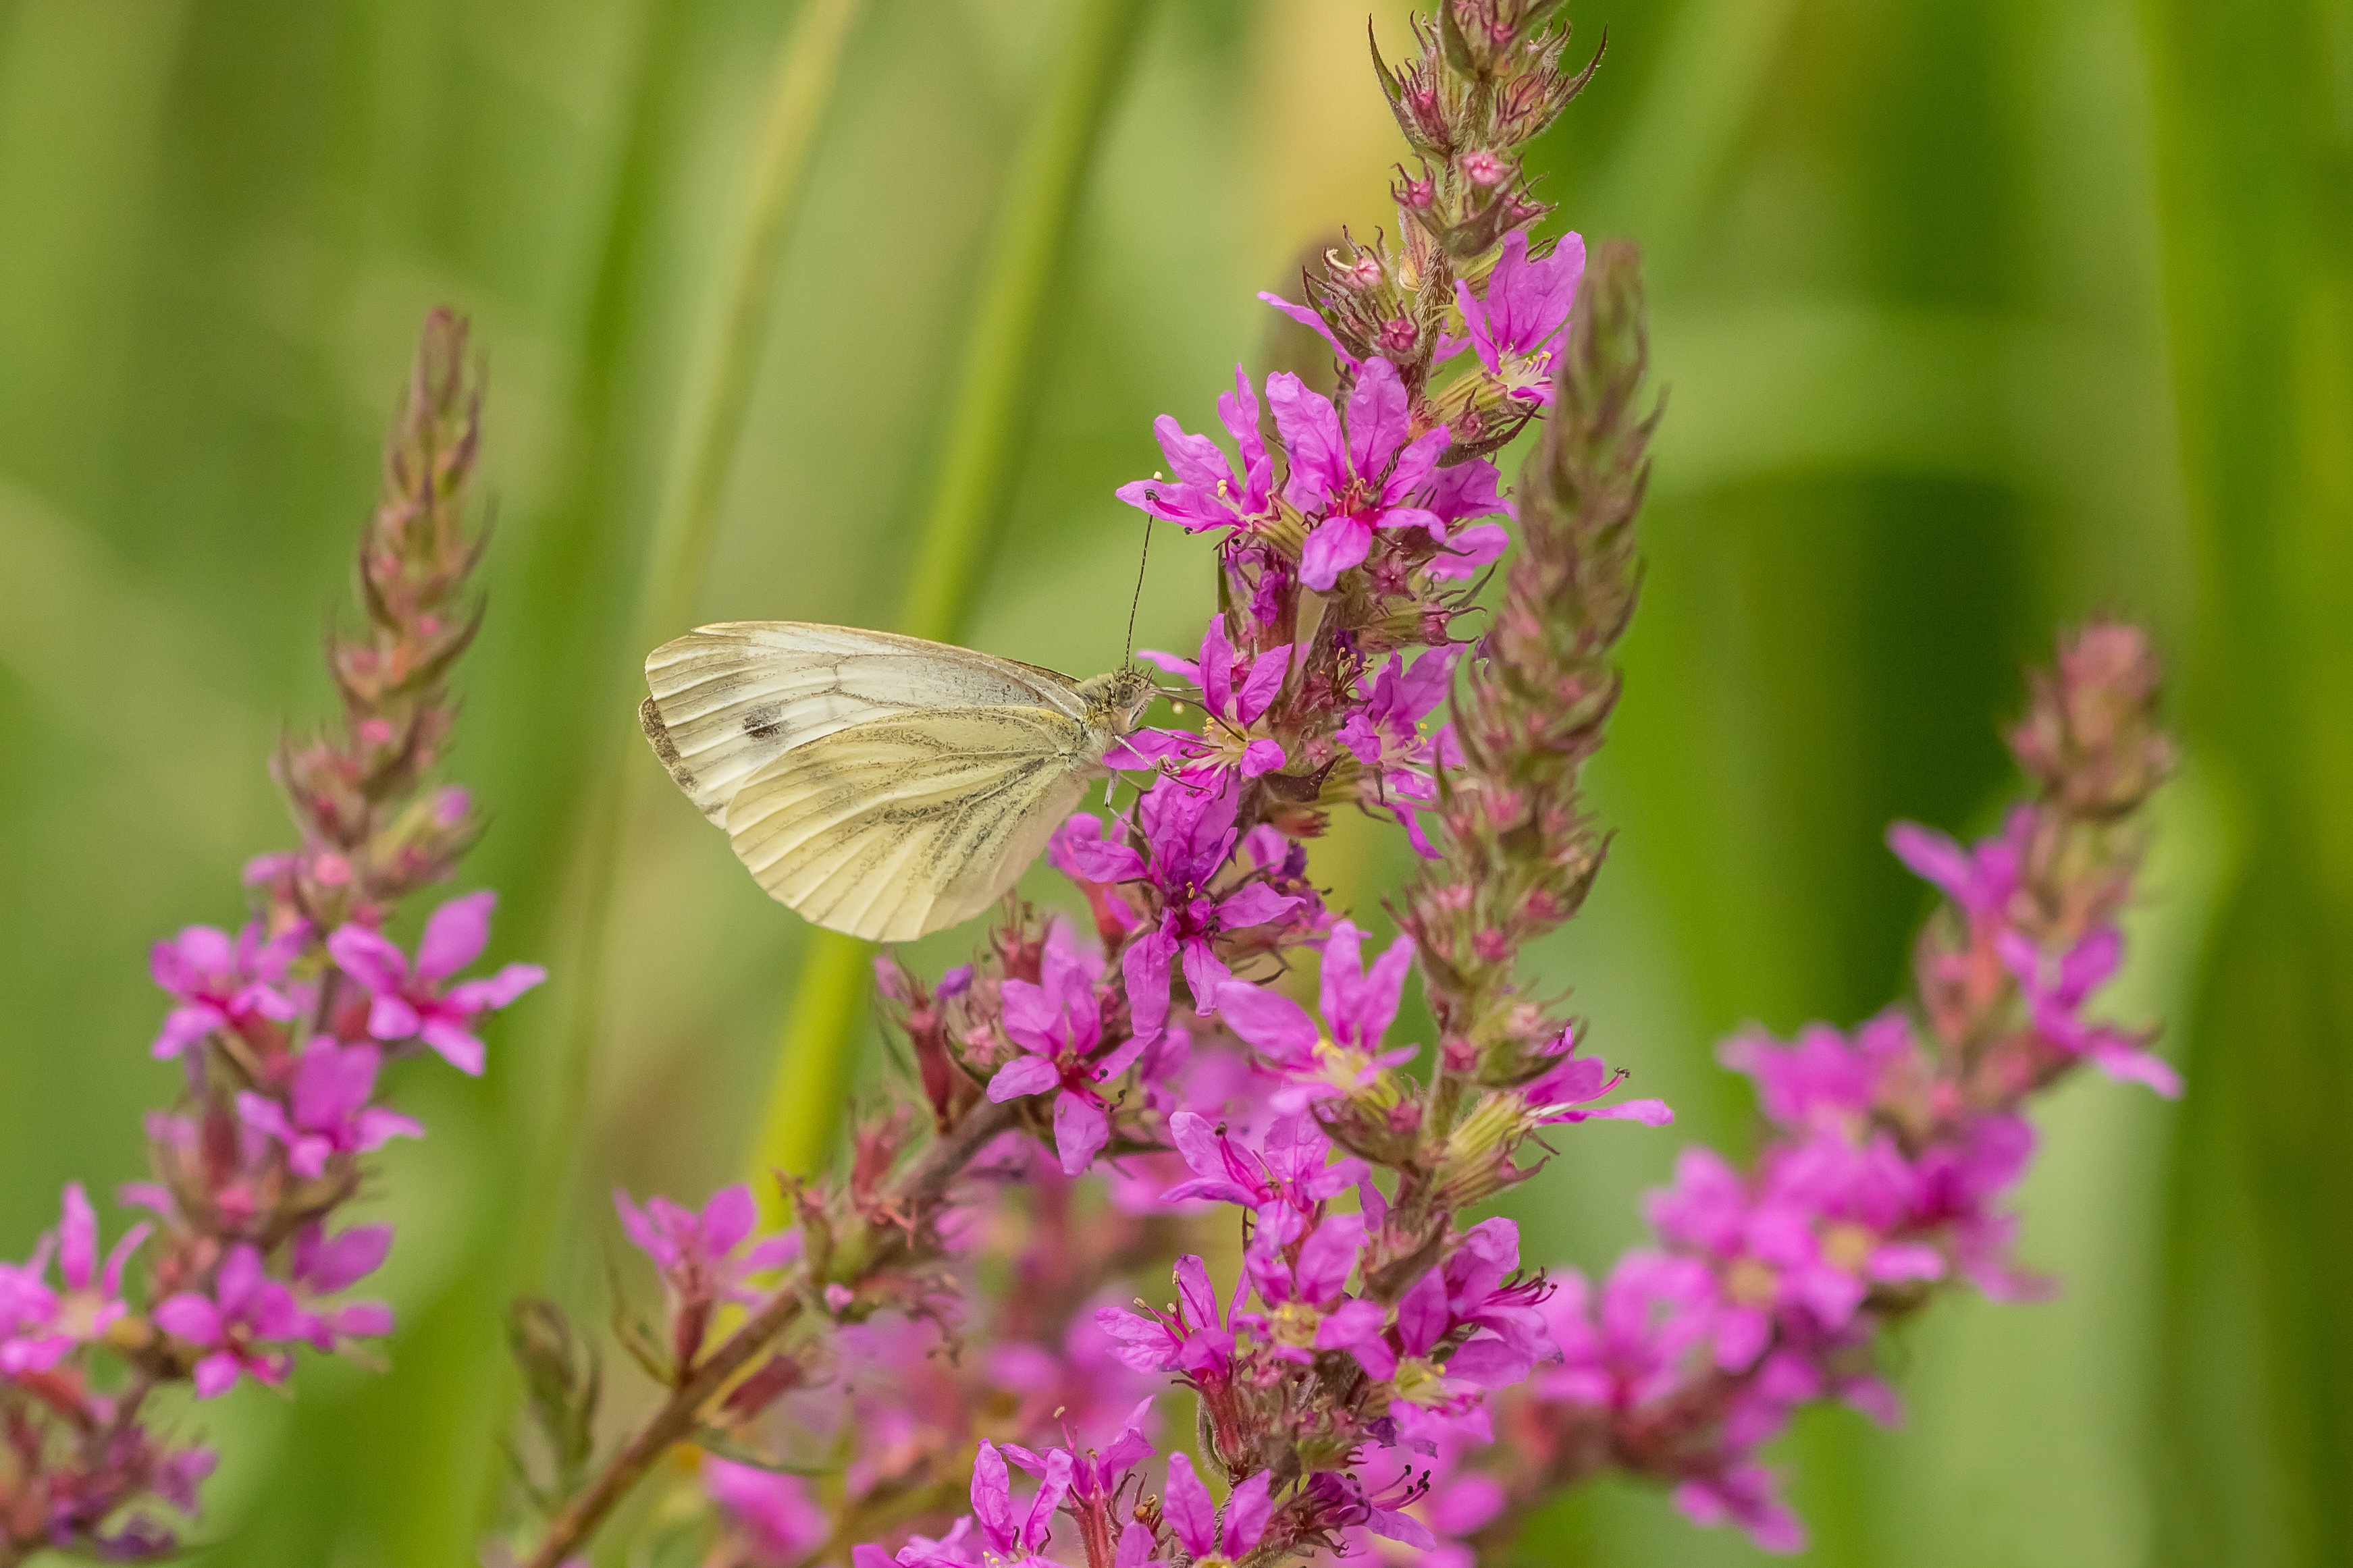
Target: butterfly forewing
x=728 y=699
x=895 y=826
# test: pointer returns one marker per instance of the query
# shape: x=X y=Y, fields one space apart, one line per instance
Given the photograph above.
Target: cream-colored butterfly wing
x=728 y=699
x=897 y=827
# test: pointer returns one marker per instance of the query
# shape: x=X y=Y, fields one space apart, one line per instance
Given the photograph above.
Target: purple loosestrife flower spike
x=408 y=1001
x=330 y=1111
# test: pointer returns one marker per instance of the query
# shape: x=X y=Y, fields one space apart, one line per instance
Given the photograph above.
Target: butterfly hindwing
x=728 y=699
x=896 y=826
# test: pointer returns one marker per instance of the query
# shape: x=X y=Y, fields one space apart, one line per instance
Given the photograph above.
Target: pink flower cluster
x=279 y=1034
x=1154 y=1098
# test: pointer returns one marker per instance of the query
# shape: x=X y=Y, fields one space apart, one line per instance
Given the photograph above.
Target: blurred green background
x=1977 y=318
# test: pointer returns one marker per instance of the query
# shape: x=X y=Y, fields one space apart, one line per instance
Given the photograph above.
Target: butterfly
x=880 y=786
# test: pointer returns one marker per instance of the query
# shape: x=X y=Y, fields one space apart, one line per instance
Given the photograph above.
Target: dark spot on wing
x=760 y=723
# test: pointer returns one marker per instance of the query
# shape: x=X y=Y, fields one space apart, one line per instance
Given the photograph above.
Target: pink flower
x=1630 y=1347
x=1357 y=475
x=1016 y=1537
x=1057 y=1024
x=1188 y=834
x=38 y=1326
x=1233 y=699
x=1748 y=1495
x=328 y=1112
x=223 y=984
x=1191 y=1337
x=702 y=1256
x=1982 y=879
x=409 y=1002
x=1192 y=1515
x=1301 y=1272
x=1566 y=1089
x=1292 y=1165
x=1210 y=490
x=246 y=1313
x=1824 y=1081
x=1097 y=1484
x=1517 y=327
x=1358 y=1006
x=326 y=1266
x=2057 y=987
x=774 y=1515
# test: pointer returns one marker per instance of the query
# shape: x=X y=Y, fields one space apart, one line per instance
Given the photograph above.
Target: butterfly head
x=1117 y=701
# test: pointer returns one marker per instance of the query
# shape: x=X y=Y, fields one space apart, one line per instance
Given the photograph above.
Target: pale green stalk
x=989 y=422
x=809 y=65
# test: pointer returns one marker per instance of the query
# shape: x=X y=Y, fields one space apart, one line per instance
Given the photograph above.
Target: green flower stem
x=987 y=434
x=808 y=66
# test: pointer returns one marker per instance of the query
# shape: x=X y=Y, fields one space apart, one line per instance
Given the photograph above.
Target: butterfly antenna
x=1129 y=657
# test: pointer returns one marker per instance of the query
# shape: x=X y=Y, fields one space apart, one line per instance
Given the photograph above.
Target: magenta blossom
x=1750 y=1496
x=1191 y=1337
x=1629 y=1347
x=328 y=1112
x=329 y=1265
x=2056 y=986
x=1189 y=834
x=1210 y=490
x=1517 y=327
x=1358 y=1008
x=779 y=1522
x=1566 y=1089
x=38 y=1325
x=222 y=982
x=1016 y=1537
x=234 y=1326
x=1057 y=1024
x=1358 y=474
x=1192 y=1515
x=409 y=1002
x=1097 y=1485
x=1823 y=1080
x=1982 y=879
x=1292 y=1165
x=1385 y=733
x=1299 y=1271
x=1233 y=699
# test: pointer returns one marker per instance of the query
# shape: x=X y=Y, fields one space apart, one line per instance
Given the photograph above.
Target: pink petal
x=1274 y=1024
x=368 y=958
x=455 y=1046
x=1187 y=1506
x=499 y=990
x=1334 y=546
x=1024 y=1076
x=454 y=935
x=1310 y=429
x=1080 y=1130
x=189 y=1317
x=217 y=1374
